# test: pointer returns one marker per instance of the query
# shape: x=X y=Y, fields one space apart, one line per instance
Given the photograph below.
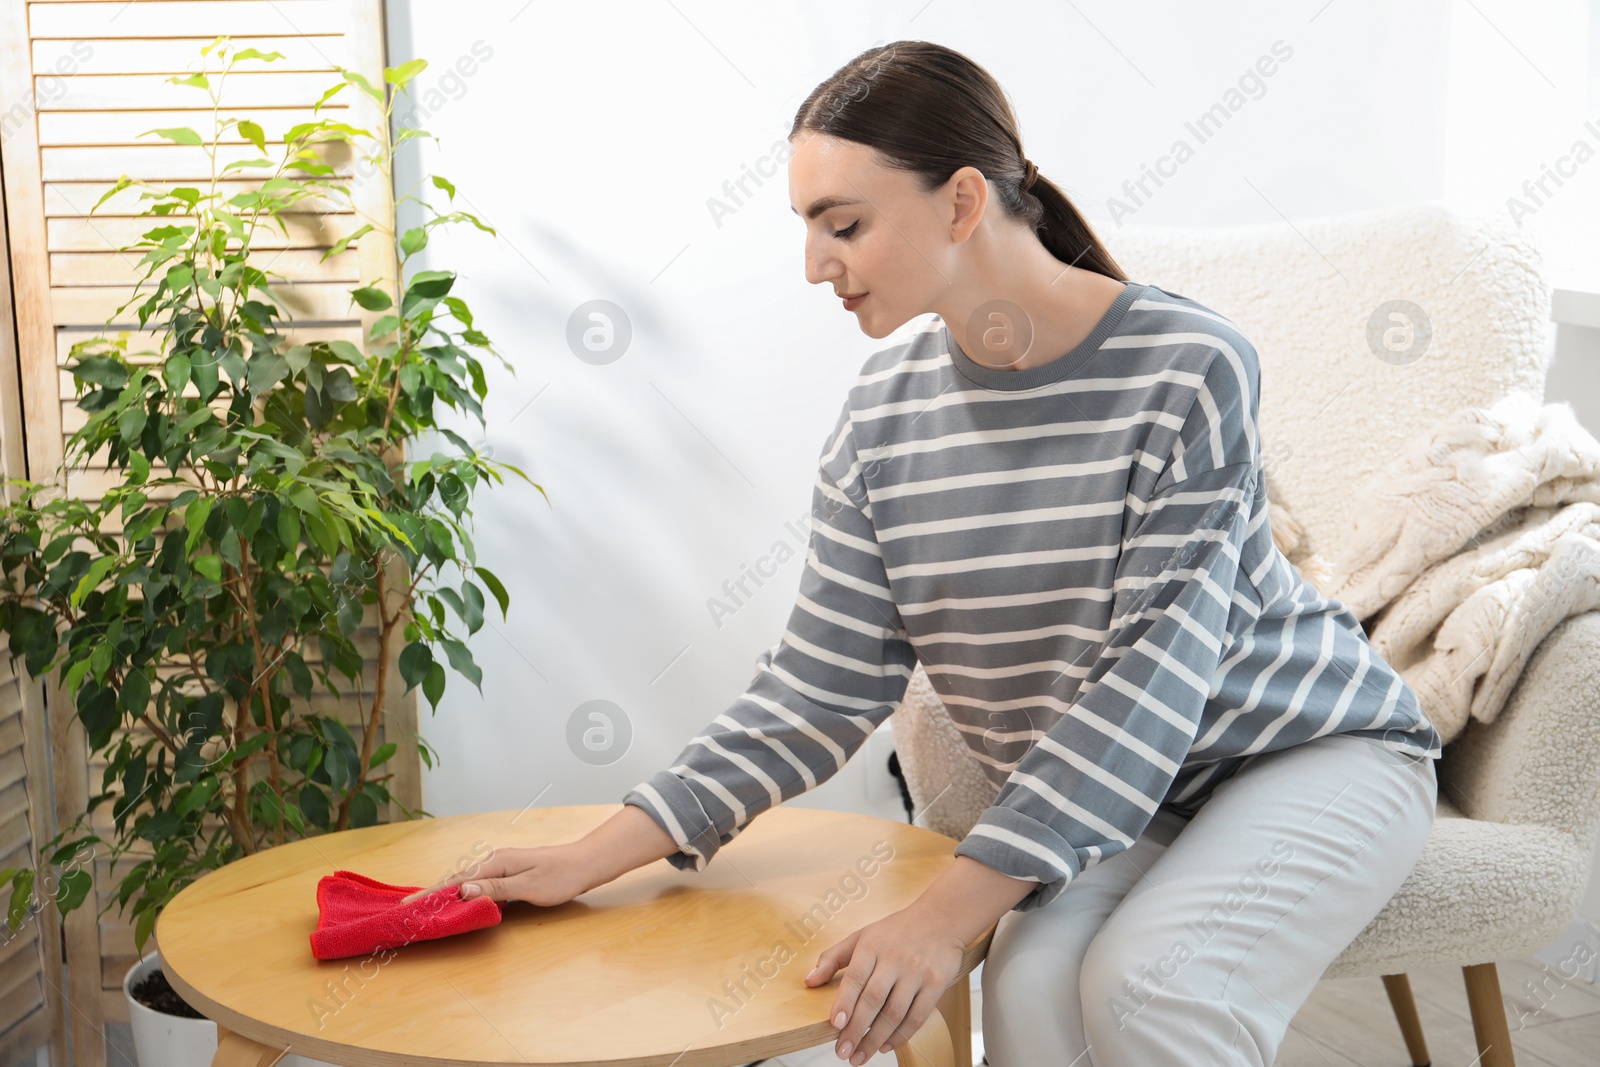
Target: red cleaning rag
x=357 y=915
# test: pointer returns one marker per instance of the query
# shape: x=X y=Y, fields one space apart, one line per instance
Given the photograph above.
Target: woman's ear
x=967 y=193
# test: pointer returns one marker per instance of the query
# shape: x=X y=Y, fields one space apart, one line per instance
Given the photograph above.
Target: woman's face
x=876 y=232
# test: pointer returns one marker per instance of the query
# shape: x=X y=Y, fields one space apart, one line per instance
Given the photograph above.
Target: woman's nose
x=819 y=267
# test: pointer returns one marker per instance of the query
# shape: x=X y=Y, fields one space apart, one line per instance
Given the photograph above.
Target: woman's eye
x=848 y=230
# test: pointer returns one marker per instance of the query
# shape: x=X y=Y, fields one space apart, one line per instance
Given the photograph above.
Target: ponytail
x=1065 y=232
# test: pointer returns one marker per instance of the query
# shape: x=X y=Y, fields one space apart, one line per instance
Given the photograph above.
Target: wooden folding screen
x=31 y=1004
x=79 y=83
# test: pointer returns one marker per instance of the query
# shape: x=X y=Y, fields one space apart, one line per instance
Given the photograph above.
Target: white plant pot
x=163 y=1040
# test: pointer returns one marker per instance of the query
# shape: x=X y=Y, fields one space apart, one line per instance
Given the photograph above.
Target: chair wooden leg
x=236 y=1050
x=1398 y=987
x=956 y=1007
x=929 y=1046
x=1489 y=1024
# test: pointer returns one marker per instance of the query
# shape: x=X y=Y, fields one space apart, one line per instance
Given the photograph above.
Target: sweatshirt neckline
x=1057 y=369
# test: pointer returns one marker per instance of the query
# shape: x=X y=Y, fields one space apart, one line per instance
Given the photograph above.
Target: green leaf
x=161 y=234
x=363 y=811
x=198 y=795
x=339 y=386
x=413 y=240
x=431 y=283
x=122 y=183
x=385 y=750
x=479 y=223
x=196 y=418
x=130 y=423
x=266 y=370
x=398 y=76
x=462 y=661
x=348 y=352
x=210 y=566
x=293 y=816
x=495 y=588
x=141 y=471
x=344 y=242
x=206 y=378
x=21 y=896
x=104 y=371
x=360 y=82
x=315 y=805
x=175 y=372
x=350 y=611
x=178 y=134
x=199 y=81
x=252 y=132
x=288 y=528
x=329 y=95
x=91 y=578
x=143 y=928
x=415 y=659
x=305 y=498
x=441 y=183
x=474 y=599
x=372 y=299
x=98 y=712
x=65 y=852
x=195 y=516
x=134 y=696
x=73 y=891
x=239 y=164
x=161 y=826
x=433 y=684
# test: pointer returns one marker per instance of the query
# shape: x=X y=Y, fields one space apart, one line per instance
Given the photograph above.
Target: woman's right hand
x=546 y=875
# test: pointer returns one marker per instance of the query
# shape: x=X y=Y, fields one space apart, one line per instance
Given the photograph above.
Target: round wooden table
x=657 y=968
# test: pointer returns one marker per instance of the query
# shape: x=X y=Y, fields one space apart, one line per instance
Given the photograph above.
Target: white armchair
x=1519 y=798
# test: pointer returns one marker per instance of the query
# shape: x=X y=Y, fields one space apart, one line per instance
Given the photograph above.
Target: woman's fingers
x=423 y=892
x=493 y=867
x=833 y=957
x=864 y=1016
x=858 y=1000
x=916 y=1015
x=492 y=888
x=895 y=1006
x=893 y=973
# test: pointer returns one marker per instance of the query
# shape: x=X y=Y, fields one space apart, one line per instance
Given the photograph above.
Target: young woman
x=1207 y=782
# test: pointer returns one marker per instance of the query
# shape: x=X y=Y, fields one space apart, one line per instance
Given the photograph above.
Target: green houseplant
x=195 y=620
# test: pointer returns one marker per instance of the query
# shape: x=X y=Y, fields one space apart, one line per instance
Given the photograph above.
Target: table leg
x=929 y=1046
x=236 y=1050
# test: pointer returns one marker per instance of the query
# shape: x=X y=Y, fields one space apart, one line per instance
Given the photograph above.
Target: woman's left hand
x=895 y=971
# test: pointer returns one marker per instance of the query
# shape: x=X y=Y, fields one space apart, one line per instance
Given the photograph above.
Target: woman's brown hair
x=930 y=110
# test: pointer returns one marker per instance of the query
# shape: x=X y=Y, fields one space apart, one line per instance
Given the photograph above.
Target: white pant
x=1197 y=944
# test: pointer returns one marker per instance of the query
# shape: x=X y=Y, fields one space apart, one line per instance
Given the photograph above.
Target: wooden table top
x=657 y=967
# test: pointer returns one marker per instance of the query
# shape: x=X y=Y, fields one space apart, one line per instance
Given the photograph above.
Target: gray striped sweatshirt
x=1079 y=555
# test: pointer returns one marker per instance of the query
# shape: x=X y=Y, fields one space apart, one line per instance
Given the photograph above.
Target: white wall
x=593 y=137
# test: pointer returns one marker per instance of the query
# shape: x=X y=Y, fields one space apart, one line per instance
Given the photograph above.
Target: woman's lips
x=853 y=302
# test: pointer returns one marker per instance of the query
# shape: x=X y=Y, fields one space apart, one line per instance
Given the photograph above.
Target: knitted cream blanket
x=1466 y=550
